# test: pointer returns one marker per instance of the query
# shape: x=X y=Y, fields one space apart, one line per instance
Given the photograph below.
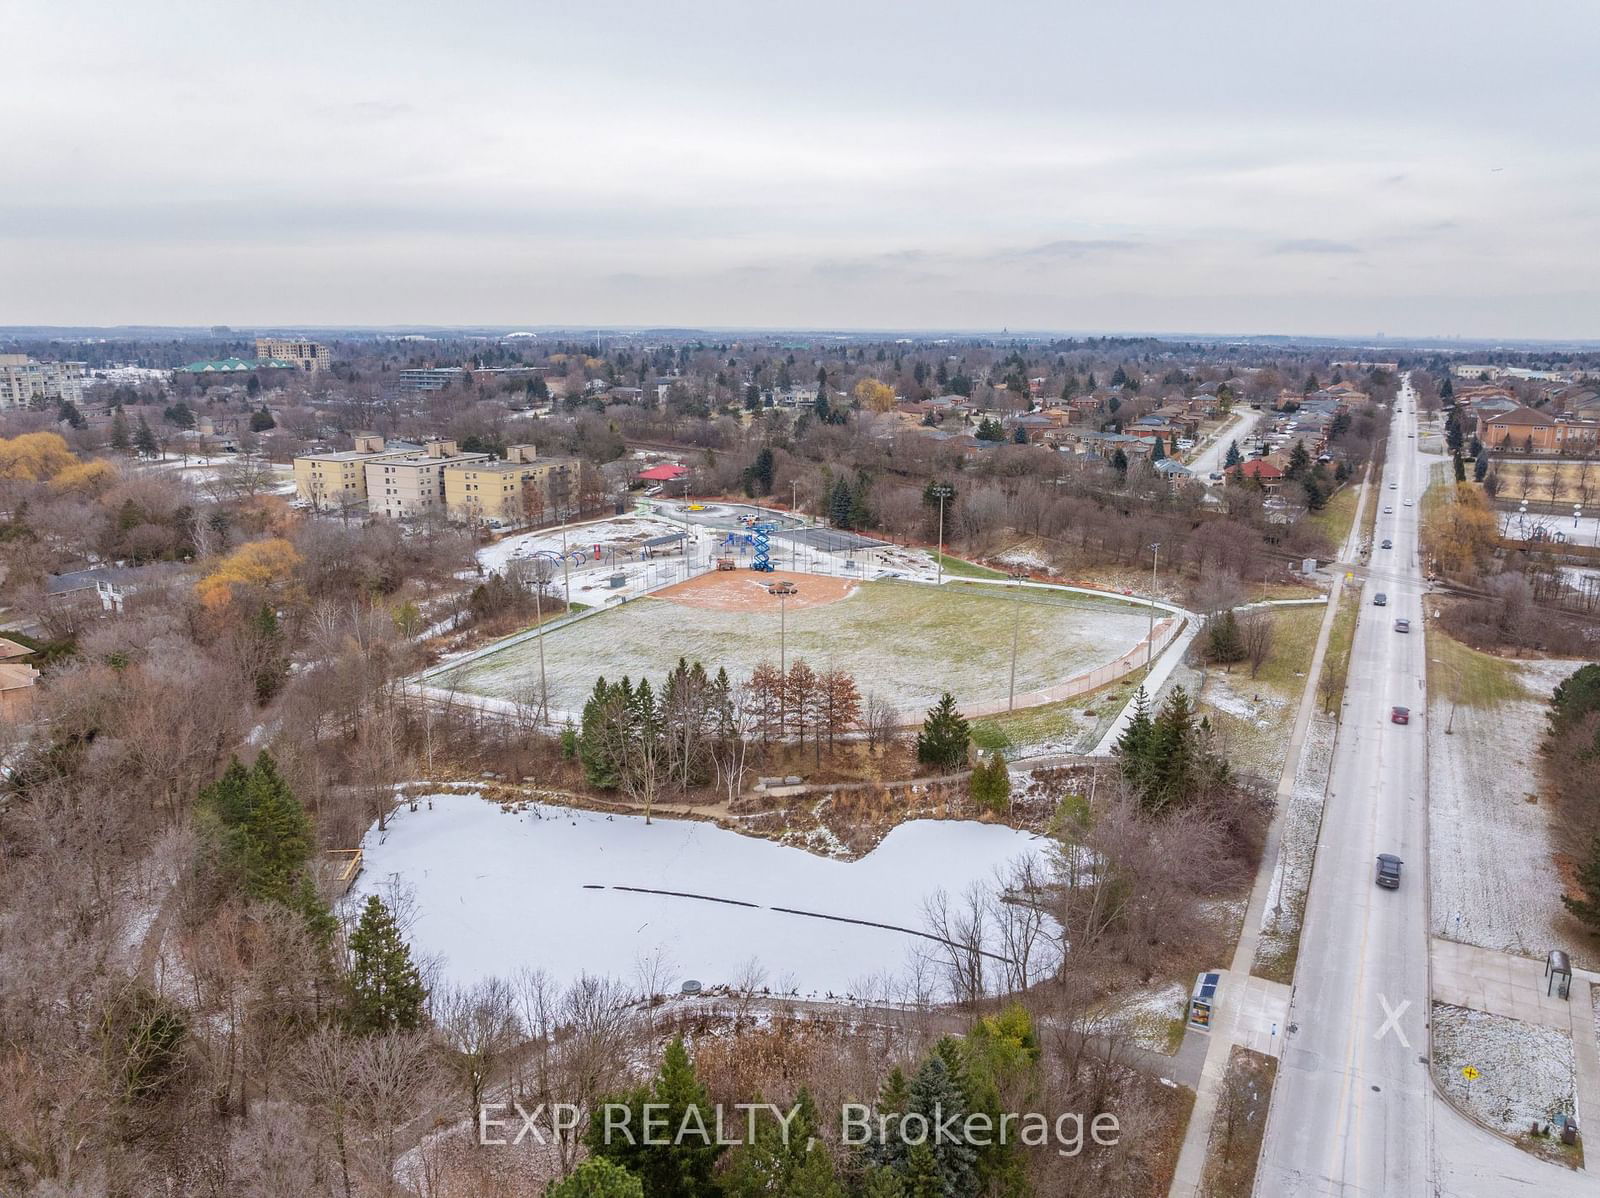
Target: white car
x=1408 y=503
x=1388 y=511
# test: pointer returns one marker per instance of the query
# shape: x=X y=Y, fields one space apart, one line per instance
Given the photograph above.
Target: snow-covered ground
x=1526 y=1072
x=1490 y=844
x=497 y=889
x=1297 y=850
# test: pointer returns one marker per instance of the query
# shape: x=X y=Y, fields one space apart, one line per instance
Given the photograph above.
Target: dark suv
x=1389 y=871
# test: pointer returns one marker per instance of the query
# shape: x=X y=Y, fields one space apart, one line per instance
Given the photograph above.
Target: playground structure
x=758 y=538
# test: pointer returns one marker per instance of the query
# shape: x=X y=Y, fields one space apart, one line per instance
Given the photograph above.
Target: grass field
x=1462 y=675
x=1337 y=515
x=905 y=641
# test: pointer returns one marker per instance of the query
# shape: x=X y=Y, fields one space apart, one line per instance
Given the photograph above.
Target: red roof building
x=1260 y=468
x=663 y=473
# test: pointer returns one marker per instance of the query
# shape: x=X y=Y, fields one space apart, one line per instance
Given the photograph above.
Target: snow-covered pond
x=496 y=891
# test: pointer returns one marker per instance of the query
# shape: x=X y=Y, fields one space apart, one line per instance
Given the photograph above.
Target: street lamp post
x=1150 y=635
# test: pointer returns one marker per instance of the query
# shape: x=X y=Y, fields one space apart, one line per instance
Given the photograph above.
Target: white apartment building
x=22 y=381
x=412 y=484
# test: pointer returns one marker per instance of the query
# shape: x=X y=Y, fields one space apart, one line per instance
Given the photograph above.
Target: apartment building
x=412 y=484
x=309 y=356
x=431 y=378
x=23 y=380
x=1525 y=430
x=523 y=488
x=338 y=480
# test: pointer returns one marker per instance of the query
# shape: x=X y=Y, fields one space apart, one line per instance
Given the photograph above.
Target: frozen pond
x=497 y=891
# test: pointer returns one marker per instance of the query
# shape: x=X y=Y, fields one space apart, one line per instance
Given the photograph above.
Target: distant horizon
x=1442 y=342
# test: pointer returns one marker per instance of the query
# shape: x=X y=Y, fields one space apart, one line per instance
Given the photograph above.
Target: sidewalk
x=1514 y=987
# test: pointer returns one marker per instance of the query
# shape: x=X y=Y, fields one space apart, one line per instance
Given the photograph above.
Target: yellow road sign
x=1470 y=1073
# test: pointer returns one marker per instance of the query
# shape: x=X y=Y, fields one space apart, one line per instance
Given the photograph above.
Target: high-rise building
x=310 y=356
x=24 y=381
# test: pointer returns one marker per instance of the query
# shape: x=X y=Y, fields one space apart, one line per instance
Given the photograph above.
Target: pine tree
x=1224 y=641
x=1234 y=458
x=681 y=1168
x=945 y=735
x=261 y=420
x=814 y=1177
x=764 y=471
x=1158 y=451
x=839 y=503
x=121 y=437
x=991 y=783
x=1480 y=467
x=1299 y=461
x=1119 y=462
x=386 y=992
x=936 y=1093
x=1460 y=466
x=881 y=1182
x=1588 y=880
x=597 y=1178
x=144 y=440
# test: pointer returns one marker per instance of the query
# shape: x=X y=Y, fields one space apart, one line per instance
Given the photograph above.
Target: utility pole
x=1016 y=636
x=942 y=492
x=1150 y=636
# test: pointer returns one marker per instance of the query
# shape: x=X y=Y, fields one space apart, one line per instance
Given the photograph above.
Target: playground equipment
x=763 y=560
x=725 y=563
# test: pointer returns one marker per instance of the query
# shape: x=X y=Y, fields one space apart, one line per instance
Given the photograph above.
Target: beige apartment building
x=22 y=380
x=412 y=484
x=338 y=480
x=310 y=356
x=523 y=488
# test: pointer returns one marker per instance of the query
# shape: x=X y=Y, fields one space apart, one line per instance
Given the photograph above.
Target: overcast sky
x=1420 y=167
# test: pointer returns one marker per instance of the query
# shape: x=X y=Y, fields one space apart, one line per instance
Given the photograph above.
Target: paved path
x=1505 y=984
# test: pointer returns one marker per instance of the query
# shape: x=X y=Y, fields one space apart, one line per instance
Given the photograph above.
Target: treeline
x=1571 y=751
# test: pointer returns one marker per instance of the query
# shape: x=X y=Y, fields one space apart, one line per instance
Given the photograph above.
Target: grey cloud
x=1315 y=245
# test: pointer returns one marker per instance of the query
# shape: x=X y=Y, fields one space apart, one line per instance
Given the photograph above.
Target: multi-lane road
x=1353 y=1111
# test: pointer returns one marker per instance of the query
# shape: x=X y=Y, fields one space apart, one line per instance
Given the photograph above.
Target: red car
x=1400 y=715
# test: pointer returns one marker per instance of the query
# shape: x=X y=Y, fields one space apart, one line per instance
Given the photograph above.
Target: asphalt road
x=1210 y=459
x=1354 y=1111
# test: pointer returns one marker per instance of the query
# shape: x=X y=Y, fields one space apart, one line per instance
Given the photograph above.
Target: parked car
x=1380 y=600
x=1400 y=715
x=1387 y=543
x=1389 y=871
x=1402 y=625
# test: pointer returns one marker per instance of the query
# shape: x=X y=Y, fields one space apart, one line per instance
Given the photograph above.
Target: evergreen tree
x=840 y=500
x=261 y=838
x=597 y=1178
x=682 y=1167
x=386 y=992
x=1234 y=458
x=764 y=471
x=144 y=440
x=990 y=429
x=1299 y=462
x=261 y=420
x=1134 y=748
x=814 y=1177
x=1019 y=436
x=1158 y=451
x=1575 y=697
x=1224 y=641
x=777 y=1158
x=1480 y=467
x=991 y=783
x=121 y=437
x=598 y=736
x=937 y=1094
x=945 y=735
x=1460 y=466
x=1119 y=462
x=1587 y=908
x=881 y=1182
x=1447 y=389
x=1119 y=377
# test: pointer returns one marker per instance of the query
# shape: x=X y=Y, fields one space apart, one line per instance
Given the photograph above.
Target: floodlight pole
x=1150 y=636
x=1016 y=637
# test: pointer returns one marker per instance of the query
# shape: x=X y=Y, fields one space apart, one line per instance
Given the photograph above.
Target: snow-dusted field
x=904 y=641
x=1526 y=1072
x=1490 y=846
x=497 y=890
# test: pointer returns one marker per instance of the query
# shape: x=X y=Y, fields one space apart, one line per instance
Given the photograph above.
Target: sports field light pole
x=1016 y=636
x=541 y=556
x=941 y=492
x=1150 y=636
